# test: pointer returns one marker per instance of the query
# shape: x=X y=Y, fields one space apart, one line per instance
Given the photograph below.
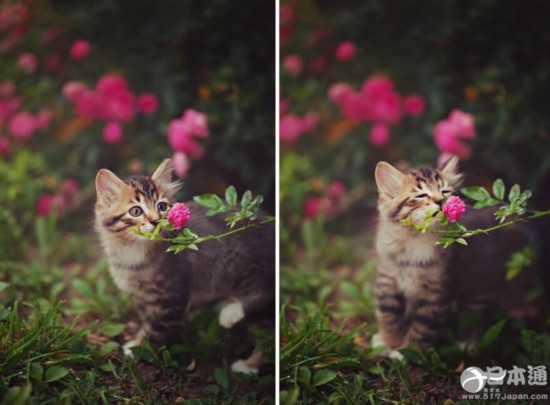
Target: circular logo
x=473 y=380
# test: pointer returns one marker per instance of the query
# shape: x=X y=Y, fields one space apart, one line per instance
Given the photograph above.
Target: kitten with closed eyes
x=420 y=285
x=238 y=271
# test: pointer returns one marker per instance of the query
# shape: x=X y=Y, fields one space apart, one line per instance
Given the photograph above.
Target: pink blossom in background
x=454 y=208
x=147 y=103
x=111 y=85
x=290 y=128
x=293 y=64
x=414 y=104
x=5 y=146
x=338 y=92
x=181 y=164
x=43 y=119
x=28 y=62
x=178 y=215
x=88 y=104
x=12 y=13
x=316 y=206
x=345 y=52
x=69 y=188
x=353 y=106
x=112 y=133
x=377 y=86
x=310 y=121
x=463 y=124
x=54 y=63
x=319 y=64
x=449 y=134
x=118 y=107
x=316 y=36
x=286 y=13
x=46 y=203
x=379 y=134
x=180 y=137
x=385 y=107
x=72 y=90
x=197 y=121
x=22 y=125
x=8 y=108
x=80 y=49
x=336 y=190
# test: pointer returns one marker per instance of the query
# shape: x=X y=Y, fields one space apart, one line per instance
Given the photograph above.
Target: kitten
x=417 y=280
x=238 y=271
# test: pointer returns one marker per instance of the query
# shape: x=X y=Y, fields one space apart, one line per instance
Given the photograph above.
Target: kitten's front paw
x=240 y=366
x=377 y=341
x=231 y=314
x=127 y=346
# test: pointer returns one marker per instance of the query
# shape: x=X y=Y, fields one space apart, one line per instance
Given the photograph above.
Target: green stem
x=233 y=231
x=469 y=233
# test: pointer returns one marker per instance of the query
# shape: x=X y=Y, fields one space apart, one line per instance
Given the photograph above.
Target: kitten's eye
x=423 y=195
x=445 y=191
x=162 y=206
x=135 y=211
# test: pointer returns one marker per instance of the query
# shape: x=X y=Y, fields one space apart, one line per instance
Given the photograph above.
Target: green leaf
x=304 y=376
x=231 y=196
x=492 y=333
x=55 y=373
x=499 y=189
x=350 y=290
x=476 y=193
x=3 y=285
x=83 y=288
x=111 y=329
x=209 y=201
x=462 y=241
x=109 y=366
x=109 y=347
x=514 y=193
x=221 y=378
x=518 y=261
x=323 y=376
x=36 y=372
x=247 y=198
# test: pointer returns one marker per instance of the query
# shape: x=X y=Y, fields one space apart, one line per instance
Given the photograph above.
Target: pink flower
x=443 y=158
x=447 y=140
x=22 y=125
x=316 y=206
x=46 y=203
x=5 y=146
x=454 y=208
x=8 y=108
x=290 y=128
x=72 y=90
x=147 y=103
x=112 y=133
x=69 y=188
x=181 y=139
x=379 y=134
x=28 y=62
x=345 y=51
x=88 y=104
x=111 y=85
x=354 y=106
x=179 y=215
x=293 y=64
x=310 y=121
x=119 y=106
x=181 y=164
x=336 y=190
x=463 y=124
x=383 y=106
x=198 y=122
x=7 y=89
x=43 y=119
x=80 y=49
x=338 y=92
x=414 y=104
x=377 y=86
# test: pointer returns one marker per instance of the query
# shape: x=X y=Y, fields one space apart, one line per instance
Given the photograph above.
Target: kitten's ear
x=389 y=180
x=163 y=174
x=108 y=186
x=449 y=170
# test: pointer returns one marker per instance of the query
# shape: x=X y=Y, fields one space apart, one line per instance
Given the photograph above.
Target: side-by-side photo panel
x=414 y=202
x=137 y=202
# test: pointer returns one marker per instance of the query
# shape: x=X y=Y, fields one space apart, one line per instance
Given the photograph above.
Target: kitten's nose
x=439 y=201
x=153 y=222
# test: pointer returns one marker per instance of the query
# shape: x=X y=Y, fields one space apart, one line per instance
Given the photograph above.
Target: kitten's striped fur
x=239 y=271
x=418 y=280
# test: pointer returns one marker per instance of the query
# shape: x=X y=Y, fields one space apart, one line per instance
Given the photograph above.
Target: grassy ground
x=327 y=320
x=62 y=323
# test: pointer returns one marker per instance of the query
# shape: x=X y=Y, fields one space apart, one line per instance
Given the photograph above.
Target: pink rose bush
x=80 y=49
x=377 y=103
x=345 y=52
x=183 y=133
x=179 y=215
x=292 y=126
x=328 y=204
x=454 y=208
x=59 y=201
x=450 y=134
x=110 y=101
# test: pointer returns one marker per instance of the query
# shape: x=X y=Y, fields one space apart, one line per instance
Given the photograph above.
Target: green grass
x=62 y=322
x=327 y=320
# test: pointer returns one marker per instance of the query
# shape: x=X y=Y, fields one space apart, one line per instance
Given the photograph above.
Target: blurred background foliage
x=216 y=58
x=487 y=58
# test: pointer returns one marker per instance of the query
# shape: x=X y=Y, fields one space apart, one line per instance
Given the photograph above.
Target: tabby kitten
x=417 y=280
x=238 y=271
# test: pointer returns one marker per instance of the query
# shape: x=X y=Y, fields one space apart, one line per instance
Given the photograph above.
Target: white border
x=277 y=208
